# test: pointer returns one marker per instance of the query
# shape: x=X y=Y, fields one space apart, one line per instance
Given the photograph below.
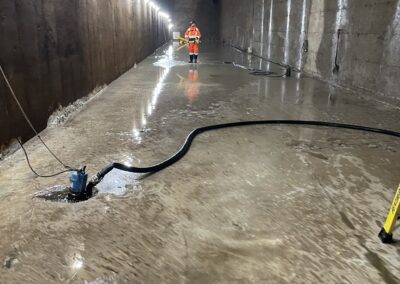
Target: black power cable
x=186 y=146
x=267 y=73
x=259 y=72
x=287 y=68
x=34 y=171
x=69 y=169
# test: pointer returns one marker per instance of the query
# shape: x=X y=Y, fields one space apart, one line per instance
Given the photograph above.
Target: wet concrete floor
x=247 y=205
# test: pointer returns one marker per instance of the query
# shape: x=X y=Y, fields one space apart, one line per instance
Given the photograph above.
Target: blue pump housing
x=78 y=180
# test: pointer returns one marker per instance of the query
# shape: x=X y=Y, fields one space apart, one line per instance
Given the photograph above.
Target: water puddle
x=166 y=62
x=119 y=183
x=168 y=59
x=116 y=183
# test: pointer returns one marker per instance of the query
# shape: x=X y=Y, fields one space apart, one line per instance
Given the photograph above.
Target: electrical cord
x=35 y=172
x=186 y=146
x=29 y=122
x=257 y=72
x=267 y=73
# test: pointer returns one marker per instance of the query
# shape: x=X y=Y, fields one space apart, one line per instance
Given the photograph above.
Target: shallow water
x=257 y=204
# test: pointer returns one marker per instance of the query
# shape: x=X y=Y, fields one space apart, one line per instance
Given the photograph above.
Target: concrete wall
x=304 y=34
x=205 y=12
x=55 y=52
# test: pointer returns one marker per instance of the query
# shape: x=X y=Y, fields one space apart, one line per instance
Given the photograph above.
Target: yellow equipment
x=181 y=39
x=184 y=42
x=182 y=46
x=386 y=234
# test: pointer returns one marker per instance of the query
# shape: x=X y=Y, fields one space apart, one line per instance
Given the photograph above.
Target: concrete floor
x=246 y=205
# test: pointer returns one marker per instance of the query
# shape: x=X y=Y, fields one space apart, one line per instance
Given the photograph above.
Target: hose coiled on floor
x=189 y=140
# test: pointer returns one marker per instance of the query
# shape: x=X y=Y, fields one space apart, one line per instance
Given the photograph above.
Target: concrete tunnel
x=272 y=159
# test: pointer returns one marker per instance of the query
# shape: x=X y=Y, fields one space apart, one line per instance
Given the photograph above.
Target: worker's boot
x=191 y=58
x=195 y=58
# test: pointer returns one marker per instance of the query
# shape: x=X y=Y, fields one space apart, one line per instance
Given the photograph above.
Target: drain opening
x=61 y=194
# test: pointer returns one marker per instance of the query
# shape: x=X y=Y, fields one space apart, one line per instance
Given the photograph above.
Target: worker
x=193 y=36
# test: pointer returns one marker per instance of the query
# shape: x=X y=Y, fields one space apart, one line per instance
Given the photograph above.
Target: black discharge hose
x=186 y=146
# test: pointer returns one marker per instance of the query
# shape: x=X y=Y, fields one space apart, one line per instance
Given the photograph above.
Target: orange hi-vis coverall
x=193 y=36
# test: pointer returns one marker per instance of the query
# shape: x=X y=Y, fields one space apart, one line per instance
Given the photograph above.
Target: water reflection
x=332 y=96
x=77 y=262
x=299 y=93
x=192 y=89
x=149 y=105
